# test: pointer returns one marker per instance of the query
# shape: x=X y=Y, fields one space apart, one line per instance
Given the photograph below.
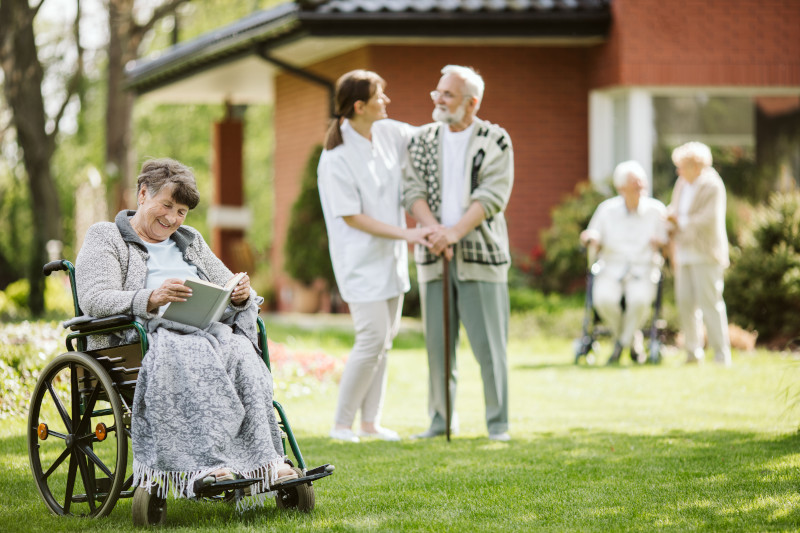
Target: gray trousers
x=483 y=308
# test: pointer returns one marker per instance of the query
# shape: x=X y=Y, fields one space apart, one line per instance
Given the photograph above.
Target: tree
x=22 y=86
x=125 y=40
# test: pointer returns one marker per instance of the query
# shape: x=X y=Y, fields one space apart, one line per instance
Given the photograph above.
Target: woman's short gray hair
x=156 y=173
x=472 y=80
x=620 y=176
x=693 y=151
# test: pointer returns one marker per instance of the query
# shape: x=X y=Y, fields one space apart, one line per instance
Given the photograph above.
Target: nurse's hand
x=419 y=235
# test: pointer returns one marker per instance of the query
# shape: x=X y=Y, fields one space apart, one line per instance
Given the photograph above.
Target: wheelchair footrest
x=201 y=488
x=311 y=475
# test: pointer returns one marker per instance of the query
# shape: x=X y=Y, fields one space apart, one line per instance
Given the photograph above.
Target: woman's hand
x=172 y=290
x=419 y=235
x=241 y=292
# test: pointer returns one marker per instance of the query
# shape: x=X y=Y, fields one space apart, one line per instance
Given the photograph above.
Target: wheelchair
x=586 y=346
x=79 y=428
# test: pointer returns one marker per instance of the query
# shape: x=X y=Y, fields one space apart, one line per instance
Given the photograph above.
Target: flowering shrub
x=299 y=373
x=25 y=348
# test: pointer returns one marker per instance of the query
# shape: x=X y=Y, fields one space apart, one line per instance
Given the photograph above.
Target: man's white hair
x=620 y=177
x=693 y=151
x=473 y=81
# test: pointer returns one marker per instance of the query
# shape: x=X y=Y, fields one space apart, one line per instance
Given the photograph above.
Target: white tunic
x=363 y=177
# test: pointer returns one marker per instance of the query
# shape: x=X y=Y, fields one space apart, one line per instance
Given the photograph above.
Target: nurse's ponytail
x=350 y=88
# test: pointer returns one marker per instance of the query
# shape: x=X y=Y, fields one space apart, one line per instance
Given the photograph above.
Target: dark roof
x=256 y=33
x=459 y=18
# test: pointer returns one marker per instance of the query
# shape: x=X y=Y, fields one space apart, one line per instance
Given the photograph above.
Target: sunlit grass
x=668 y=448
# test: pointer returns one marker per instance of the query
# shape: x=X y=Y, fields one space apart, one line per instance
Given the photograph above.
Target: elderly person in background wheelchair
x=203 y=400
x=626 y=234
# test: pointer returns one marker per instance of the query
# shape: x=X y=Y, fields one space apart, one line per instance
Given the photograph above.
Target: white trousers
x=364 y=377
x=607 y=292
x=698 y=294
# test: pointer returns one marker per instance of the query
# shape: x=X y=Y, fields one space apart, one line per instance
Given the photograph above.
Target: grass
x=666 y=448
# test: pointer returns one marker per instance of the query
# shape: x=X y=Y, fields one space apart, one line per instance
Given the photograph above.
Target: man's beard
x=441 y=114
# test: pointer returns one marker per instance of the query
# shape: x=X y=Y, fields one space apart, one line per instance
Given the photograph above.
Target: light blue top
x=165 y=261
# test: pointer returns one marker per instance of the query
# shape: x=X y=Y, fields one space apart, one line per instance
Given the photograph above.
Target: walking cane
x=446 y=300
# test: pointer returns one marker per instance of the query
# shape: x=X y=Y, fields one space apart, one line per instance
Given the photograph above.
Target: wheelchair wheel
x=77 y=438
x=148 y=509
x=300 y=497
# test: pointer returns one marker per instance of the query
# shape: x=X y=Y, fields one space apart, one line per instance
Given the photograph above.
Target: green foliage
x=57 y=297
x=762 y=287
x=306 y=251
x=561 y=265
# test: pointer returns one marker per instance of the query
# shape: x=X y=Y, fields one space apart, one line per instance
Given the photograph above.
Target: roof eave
x=590 y=24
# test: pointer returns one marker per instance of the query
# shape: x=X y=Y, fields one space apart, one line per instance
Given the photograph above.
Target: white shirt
x=358 y=177
x=454 y=159
x=625 y=236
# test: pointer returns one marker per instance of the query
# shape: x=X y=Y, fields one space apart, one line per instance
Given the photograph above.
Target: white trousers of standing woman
x=364 y=378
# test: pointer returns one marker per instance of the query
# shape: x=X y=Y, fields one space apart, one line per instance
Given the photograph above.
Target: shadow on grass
x=579 y=479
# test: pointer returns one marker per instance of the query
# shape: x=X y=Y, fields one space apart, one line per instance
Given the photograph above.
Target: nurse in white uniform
x=359 y=179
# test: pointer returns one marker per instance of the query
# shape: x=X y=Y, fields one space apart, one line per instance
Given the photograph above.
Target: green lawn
x=666 y=448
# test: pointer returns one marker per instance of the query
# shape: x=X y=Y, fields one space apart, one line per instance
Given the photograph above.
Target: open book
x=206 y=304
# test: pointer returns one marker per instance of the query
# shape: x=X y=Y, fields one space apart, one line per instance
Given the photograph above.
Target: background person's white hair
x=694 y=151
x=620 y=176
x=472 y=80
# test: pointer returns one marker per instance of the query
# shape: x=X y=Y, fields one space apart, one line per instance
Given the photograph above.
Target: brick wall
x=700 y=43
x=539 y=95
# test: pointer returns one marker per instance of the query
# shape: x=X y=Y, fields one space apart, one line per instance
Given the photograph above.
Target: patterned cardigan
x=483 y=254
x=111 y=269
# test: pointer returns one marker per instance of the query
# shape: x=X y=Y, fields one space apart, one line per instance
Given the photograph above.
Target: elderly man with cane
x=458 y=180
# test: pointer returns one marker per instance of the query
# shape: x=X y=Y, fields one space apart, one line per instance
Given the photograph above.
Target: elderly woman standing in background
x=700 y=256
x=203 y=400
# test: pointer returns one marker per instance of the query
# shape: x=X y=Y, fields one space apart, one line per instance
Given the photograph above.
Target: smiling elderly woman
x=203 y=401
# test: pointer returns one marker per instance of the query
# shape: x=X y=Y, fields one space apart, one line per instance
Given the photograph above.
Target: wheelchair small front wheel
x=300 y=497
x=148 y=509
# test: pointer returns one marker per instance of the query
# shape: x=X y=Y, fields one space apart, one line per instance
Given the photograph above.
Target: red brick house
x=579 y=84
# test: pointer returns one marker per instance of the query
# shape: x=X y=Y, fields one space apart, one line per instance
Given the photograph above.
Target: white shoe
x=381 y=433
x=500 y=437
x=346 y=435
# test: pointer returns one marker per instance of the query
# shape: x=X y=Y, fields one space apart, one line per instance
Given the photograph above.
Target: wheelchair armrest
x=102 y=323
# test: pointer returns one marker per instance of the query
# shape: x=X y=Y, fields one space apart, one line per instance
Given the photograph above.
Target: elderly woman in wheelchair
x=625 y=236
x=195 y=404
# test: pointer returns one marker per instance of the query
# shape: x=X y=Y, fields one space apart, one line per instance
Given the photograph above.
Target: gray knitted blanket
x=203 y=401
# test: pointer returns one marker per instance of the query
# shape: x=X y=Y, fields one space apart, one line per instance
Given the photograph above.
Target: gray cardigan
x=111 y=268
x=483 y=254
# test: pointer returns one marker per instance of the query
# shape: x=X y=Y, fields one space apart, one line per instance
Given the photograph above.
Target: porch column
x=227 y=216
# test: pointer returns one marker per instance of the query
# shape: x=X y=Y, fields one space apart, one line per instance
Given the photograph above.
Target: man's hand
x=441 y=240
x=172 y=290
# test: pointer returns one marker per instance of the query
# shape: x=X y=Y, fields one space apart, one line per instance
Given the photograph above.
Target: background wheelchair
x=586 y=346
x=79 y=428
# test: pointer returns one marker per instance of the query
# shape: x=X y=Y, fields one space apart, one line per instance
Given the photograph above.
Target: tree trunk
x=22 y=87
x=123 y=47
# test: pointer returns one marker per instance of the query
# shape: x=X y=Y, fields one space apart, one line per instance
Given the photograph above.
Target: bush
x=307 y=256
x=763 y=284
x=561 y=265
